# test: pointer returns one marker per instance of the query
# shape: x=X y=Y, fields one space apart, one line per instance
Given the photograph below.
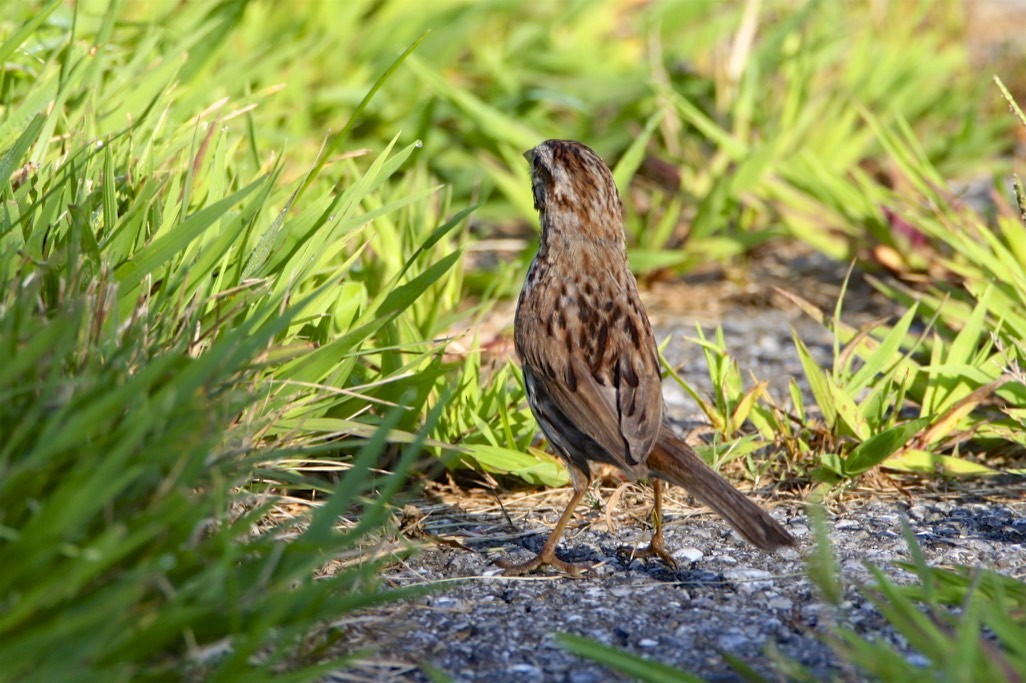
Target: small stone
x=769 y=345
x=689 y=554
x=810 y=611
x=788 y=554
x=684 y=595
x=918 y=512
x=686 y=630
x=733 y=640
x=780 y=602
x=918 y=660
x=527 y=670
x=579 y=676
x=748 y=579
x=798 y=530
x=648 y=643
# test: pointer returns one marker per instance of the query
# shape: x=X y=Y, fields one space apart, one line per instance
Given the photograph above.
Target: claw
x=540 y=560
x=653 y=549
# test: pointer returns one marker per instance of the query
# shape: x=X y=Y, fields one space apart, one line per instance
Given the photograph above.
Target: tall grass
x=178 y=317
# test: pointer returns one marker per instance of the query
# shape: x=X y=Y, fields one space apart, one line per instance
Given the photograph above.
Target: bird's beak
x=529 y=155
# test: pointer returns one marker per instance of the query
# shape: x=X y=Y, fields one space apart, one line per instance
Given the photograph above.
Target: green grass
x=232 y=247
x=176 y=321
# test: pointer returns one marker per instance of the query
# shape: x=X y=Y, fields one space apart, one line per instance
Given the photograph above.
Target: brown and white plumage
x=589 y=357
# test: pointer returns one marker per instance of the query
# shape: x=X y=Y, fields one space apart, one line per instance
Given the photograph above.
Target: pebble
x=916 y=659
x=798 y=530
x=527 y=670
x=748 y=579
x=733 y=640
x=918 y=512
x=724 y=597
x=688 y=554
x=578 y=676
x=788 y=554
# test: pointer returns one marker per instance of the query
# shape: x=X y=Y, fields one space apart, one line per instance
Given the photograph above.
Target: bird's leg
x=547 y=555
x=655 y=546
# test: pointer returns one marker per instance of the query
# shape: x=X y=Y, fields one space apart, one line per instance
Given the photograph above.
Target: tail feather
x=677 y=463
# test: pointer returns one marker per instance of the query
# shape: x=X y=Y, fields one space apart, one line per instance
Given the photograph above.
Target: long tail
x=677 y=463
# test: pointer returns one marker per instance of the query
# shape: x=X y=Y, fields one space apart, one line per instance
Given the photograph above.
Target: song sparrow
x=589 y=357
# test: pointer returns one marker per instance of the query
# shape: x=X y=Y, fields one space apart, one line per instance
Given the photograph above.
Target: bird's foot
x=653 y=549
x=540 y=560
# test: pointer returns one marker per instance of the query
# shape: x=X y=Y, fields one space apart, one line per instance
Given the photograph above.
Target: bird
x=589 y=358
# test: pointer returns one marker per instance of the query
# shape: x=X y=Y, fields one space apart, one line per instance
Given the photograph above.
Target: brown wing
x=594 y=358
x=613 y=415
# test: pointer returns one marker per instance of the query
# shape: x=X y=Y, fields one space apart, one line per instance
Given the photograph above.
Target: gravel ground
x=725 y=596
